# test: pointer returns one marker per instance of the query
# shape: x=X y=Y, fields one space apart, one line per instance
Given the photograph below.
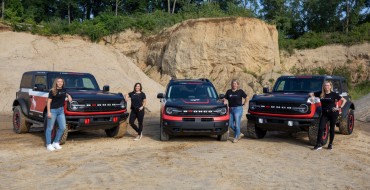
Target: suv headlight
x=123 y=104
x=172 y=111
x=75 y=106
x=221 y=111
x=303 y=108
x=252 y=105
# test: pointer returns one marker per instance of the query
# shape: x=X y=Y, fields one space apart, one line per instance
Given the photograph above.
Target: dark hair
x=141 y=87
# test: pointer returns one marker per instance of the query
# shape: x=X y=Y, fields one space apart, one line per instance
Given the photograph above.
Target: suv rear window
x=191 y=90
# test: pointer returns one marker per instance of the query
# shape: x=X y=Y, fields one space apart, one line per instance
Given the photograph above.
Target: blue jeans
x=235 y=118
x=56 y=114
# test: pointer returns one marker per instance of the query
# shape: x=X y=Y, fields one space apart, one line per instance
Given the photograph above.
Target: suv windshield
x=298 y=84
x=78 y=81
x=191 y=90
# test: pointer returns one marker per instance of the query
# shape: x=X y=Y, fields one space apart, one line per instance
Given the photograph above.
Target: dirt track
x=90 y=160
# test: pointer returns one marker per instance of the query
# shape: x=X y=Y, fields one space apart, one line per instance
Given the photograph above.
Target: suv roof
x=312 y=76
x=201 y=80
x=44 y=72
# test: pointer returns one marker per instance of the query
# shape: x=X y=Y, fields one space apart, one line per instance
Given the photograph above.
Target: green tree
x=321 y=16
x=351 y=9
x=13 y=11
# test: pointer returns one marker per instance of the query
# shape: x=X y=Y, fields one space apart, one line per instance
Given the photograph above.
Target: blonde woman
x=330 y=112
x=55 y=111
x=236 y=99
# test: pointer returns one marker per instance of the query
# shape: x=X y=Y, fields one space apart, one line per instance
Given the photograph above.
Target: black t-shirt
x=136 y=99
x=328 y=102
x=58 y=100
x=235 y=98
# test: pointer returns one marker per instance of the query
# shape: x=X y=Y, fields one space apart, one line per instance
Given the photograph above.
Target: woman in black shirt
x=55 y=111
x=235 y=97
x=138 y=102
x=330 y=113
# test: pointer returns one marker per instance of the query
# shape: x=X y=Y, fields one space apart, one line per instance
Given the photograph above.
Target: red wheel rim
x=16 y=120
x=351 y=121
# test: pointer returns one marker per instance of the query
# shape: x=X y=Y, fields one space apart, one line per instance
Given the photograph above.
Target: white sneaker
x=50 y=147
x=137 y=138
x=241 y=136
x=56 y=146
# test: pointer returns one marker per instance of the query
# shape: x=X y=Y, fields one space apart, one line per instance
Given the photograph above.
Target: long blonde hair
x=54 y=89
x=322 y=95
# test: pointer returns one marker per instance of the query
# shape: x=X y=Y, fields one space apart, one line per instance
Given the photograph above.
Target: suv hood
x=281 y=97
x=186 y=102
x=94 y=95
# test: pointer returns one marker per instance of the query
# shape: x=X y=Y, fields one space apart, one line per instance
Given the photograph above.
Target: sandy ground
x=90 y=160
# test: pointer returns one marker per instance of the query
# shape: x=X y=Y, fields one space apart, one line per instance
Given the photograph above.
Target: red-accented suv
x=288 y=107
x=90 y=109
x=193 y=107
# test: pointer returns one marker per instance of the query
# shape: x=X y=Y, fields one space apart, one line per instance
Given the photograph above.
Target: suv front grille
x=281 y=108
x=201 y=119
x=97 y=106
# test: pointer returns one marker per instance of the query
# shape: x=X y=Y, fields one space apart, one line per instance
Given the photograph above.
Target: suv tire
x=313 y=131
x=254 y=131
x=118 y=131
x=163 y=135
x=223 y=137
x=64 y=137
x=347 y=123
x=20 y=125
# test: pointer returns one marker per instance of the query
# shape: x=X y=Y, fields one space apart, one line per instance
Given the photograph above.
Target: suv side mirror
x=160 y=95
x=39 y=87
x=221 y=96
x=106 y=88
x=265 y=89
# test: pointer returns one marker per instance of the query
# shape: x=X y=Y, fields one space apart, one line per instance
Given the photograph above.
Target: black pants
x=325 y=117
x=139 y=115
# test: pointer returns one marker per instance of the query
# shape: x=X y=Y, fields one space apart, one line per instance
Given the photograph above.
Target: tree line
x=293 y=18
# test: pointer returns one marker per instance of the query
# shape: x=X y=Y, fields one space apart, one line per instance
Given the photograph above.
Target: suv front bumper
x=92 y=122
x=281 y=123
x=195 y=127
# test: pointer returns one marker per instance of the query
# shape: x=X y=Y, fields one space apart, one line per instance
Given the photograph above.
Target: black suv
x=91 y=107
x=289 y=108
x=192 y=107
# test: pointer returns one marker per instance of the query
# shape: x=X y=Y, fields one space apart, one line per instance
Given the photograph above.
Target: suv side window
x=336 y=86
x=26 y=81
x=40 y=79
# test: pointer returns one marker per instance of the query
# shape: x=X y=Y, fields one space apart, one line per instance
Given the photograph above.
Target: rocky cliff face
x=220 y=49
x=355 y=58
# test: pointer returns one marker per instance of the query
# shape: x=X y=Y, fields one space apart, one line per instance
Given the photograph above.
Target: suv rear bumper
x=281 y=123
x=196 y=127
x=96 y=121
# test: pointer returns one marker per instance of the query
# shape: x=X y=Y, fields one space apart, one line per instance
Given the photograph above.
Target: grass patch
x=360 y=90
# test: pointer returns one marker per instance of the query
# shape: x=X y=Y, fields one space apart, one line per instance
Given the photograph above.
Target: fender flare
x=23 y=104
x=345 y=109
